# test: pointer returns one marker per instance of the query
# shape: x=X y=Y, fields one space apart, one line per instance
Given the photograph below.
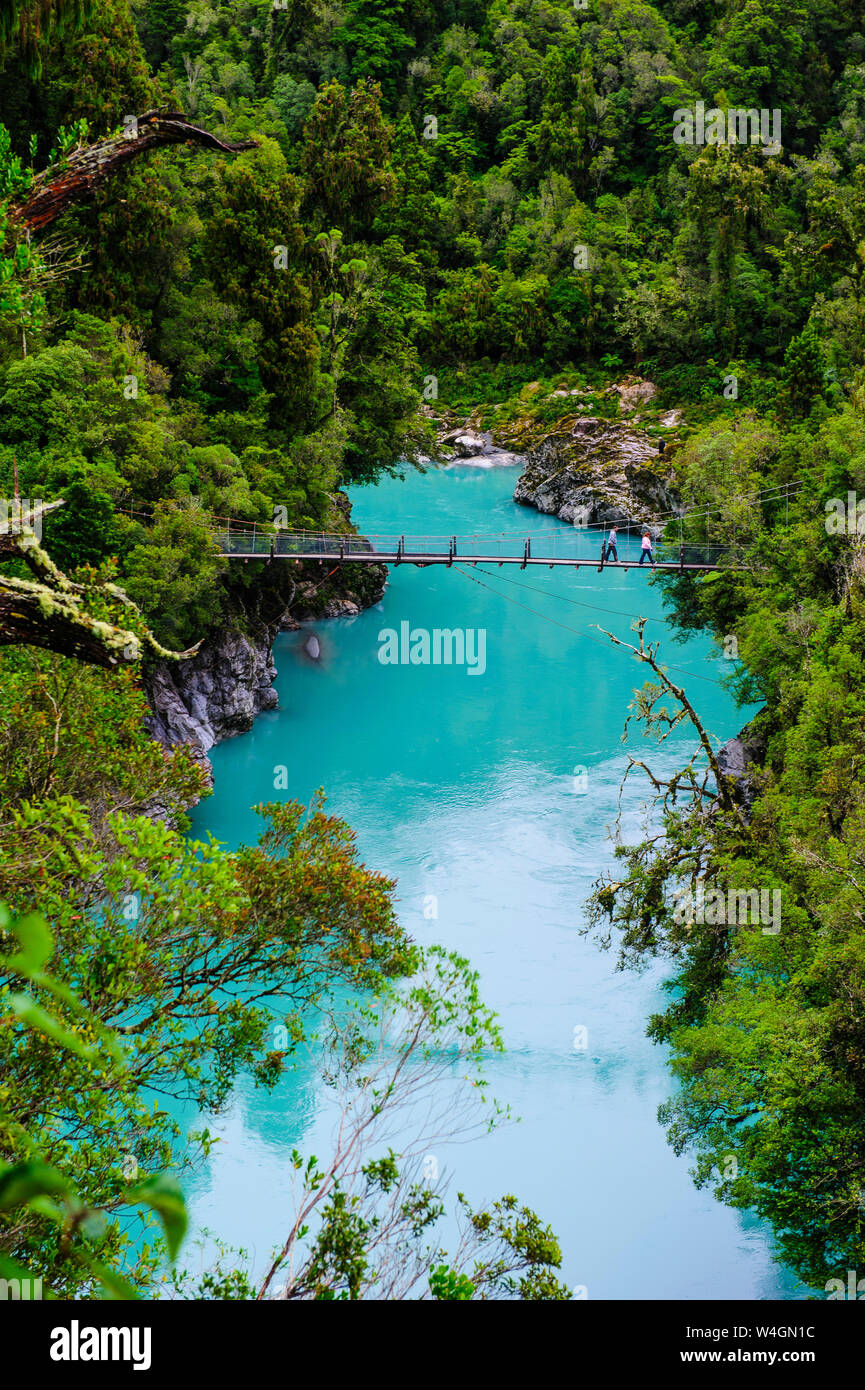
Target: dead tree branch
x=58 y=188
x=648 y=653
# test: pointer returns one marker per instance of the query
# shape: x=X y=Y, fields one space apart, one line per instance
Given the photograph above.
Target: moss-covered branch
x=50 y=610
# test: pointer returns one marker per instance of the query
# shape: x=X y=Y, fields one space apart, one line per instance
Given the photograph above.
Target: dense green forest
x=441 y=204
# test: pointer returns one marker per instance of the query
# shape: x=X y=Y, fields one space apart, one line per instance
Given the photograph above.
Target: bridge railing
x=563 y=544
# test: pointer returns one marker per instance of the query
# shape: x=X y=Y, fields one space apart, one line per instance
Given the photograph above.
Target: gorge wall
x=218 y=692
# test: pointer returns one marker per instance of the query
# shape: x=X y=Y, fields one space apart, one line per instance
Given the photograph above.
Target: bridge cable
x=548 y=593
x=576 y=631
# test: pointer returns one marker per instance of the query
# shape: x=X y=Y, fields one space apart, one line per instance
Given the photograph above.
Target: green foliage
x=293 y=100
x=40 y=1198
x=67 y=729
x=173 y=574
x=446 y=1284
x=28 y=26
x=765 y=1028
x=184 y=952
x=366 y=1216
x=346 y=155
x=85 y=530
x=22 y=268
x=91 y=420
x=804 y=371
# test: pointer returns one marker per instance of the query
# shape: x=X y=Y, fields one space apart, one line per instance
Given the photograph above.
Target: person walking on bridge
x=647 y=548
x=611 y=546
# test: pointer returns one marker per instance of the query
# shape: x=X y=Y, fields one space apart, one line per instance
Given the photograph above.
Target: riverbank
x=590 y=454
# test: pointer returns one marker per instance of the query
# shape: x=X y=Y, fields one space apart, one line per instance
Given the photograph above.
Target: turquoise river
x=468 y=789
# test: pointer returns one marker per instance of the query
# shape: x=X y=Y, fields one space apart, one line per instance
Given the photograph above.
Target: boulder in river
x=475 y=448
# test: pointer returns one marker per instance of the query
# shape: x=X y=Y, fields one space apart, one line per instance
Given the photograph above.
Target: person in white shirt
x=647 y=549
x=611 y=545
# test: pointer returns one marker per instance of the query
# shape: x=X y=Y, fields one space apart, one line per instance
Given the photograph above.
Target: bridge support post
x=681 y=559
x=451 y=551
x=341 y=550
x=400 y=547
x=526 y=553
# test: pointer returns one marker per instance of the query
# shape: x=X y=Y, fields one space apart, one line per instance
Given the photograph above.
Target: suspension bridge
x=567 y=546
x=502 y=549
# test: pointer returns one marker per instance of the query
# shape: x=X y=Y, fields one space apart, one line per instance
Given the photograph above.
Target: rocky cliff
x=740 y=759
x=218 y=692
x=597 y=469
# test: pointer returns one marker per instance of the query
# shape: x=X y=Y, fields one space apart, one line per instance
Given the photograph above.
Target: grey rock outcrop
x=219 y=691
x=214 y=695
x=601 y=471
x=738 y=759
x=633 y=393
